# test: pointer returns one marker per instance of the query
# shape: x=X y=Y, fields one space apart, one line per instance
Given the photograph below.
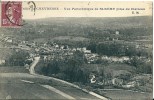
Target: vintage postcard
x=84 y=50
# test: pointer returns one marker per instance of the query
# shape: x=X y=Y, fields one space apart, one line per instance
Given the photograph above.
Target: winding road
x=32 y=86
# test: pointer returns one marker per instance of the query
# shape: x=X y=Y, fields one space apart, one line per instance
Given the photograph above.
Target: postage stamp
x=11 y=13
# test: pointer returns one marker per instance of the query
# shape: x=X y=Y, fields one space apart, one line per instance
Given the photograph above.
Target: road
x=16 y=85
x=31 y=70
x=26 y=86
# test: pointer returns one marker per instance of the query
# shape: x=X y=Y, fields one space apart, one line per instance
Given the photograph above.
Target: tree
x=92 y=47
x=79 y=58
x=131 y=51
x=72 y=68
x=17 y=58
x=52 y=67
x=141 y=65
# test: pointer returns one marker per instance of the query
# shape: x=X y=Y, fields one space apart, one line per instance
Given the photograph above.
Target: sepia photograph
x=89 y=51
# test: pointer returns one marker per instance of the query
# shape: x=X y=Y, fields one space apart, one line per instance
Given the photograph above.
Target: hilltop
x=82 y=27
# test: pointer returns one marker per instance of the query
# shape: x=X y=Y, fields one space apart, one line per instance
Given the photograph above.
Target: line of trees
x=116 y=49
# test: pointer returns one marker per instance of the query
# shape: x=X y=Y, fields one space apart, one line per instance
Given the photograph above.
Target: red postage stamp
x=11 y=13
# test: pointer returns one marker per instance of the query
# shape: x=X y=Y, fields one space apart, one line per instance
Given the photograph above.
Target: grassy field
x=5 y=53
x=14 y=69
x=113 y=67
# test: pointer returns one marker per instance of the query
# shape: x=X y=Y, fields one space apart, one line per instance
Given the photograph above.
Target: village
x=51 y=51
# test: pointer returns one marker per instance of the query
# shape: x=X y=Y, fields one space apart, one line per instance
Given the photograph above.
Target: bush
x=141 y=65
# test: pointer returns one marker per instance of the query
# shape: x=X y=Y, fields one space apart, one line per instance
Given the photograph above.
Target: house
x=87 y=51
x=9 y=40
x=2 y=62
x=57 y=46
x=125 y=58
x=74 y=49
x=37 y=49
x=45 y=58
x=62 y=47
x=84 y=49
x=131 y=84
x=117 y=81
x=117 y=32
x=79 y=49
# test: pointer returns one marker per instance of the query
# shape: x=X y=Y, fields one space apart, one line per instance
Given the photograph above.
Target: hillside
x=82 y=27
x=107 y=22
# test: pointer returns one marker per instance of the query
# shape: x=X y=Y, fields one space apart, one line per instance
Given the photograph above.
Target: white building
x=117 y=32
x=2 y=62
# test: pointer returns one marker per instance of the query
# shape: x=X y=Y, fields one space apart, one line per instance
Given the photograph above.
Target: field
x=5 y=53
x=15 y=69
x=126 y=95
x=70 y=38
x=114 y=68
